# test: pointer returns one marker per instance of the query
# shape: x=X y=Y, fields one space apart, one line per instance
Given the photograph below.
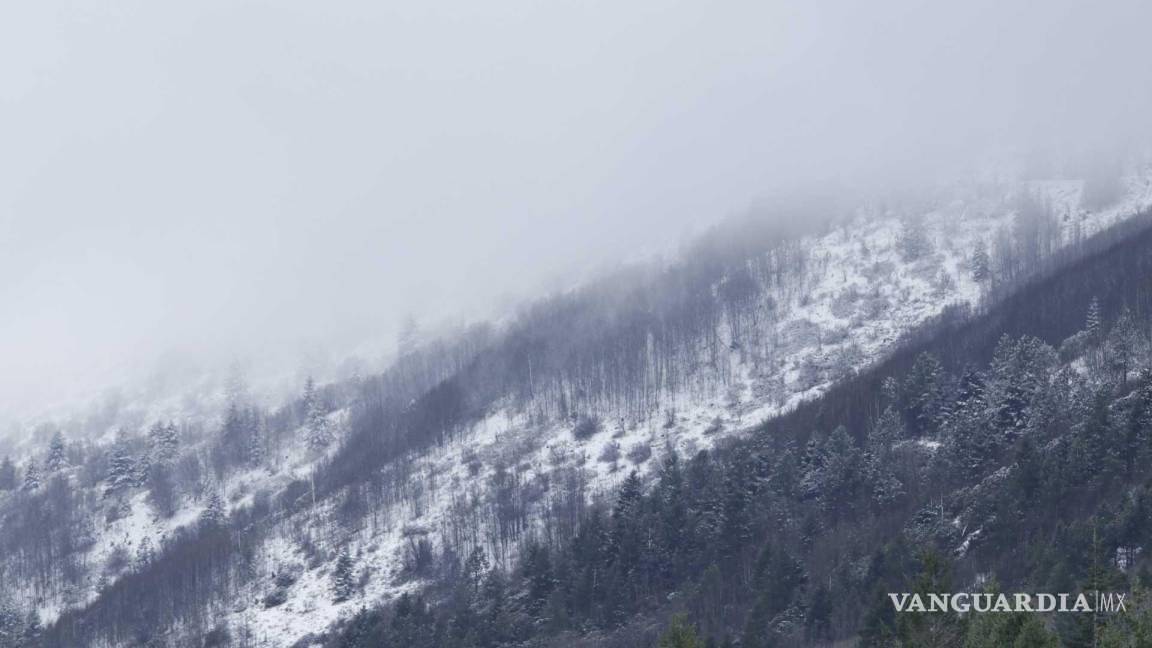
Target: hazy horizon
x=243 y=179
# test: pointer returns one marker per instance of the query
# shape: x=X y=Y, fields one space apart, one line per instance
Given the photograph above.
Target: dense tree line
x=792 y=537
x=772 y=539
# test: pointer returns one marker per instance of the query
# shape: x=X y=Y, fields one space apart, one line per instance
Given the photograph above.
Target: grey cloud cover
x=217 y=177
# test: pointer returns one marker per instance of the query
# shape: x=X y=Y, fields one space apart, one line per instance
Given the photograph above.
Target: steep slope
x=504 y=438
x=1008 y=452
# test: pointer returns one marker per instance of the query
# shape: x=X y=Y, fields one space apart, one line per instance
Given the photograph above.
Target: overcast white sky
x=236 y=177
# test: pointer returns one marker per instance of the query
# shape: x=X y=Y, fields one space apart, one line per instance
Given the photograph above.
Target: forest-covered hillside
x=1005 y=453
x=744 y=444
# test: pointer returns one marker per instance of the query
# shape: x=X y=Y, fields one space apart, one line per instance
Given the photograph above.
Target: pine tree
x=923 y=390
x=843 y=474
x=1098 y=457
x=980 y=264
x=497 y=618
x=215 y=513
x=890 y=389
x=32 y=477
x=141 y=471
x=886 y=487
x=970 y=442
x=887 y=430
x=144 y=554
x=164 y=440
x=1094 y=325
x=475 y=568
x=256 y=446
x=1020 y=374
x=316 y=419
x=538 y=572
x=342 y=584
x=812 y=471
x=7 y=474
x=57 y=455
x=121 y=472
x=623 y=547
x=629 y=498
x=1121 y=346
x=970 y=391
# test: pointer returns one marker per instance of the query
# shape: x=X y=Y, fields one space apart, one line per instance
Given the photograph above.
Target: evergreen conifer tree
x=57 y=455
x=32 y=477
x=315 y=418
x=980 y=264
x=214 y=514
x=1094 y=324
x=164 y=440
x=121 y=472
x=343 y=585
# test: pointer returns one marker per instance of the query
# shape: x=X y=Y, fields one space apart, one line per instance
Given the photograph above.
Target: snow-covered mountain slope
x=514 y=472
x=859 y=296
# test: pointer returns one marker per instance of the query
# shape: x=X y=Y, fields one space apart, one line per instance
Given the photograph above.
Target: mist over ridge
x=277 y=183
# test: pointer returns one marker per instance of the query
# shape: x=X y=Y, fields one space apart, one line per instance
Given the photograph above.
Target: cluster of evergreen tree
x=756 y=540
x=18 y=630
x=64 y=494
x=793 y=536
x=783 y=538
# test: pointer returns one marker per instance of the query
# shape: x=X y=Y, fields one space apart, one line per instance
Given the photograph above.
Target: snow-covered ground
x=858 y=296
x=853 y=264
